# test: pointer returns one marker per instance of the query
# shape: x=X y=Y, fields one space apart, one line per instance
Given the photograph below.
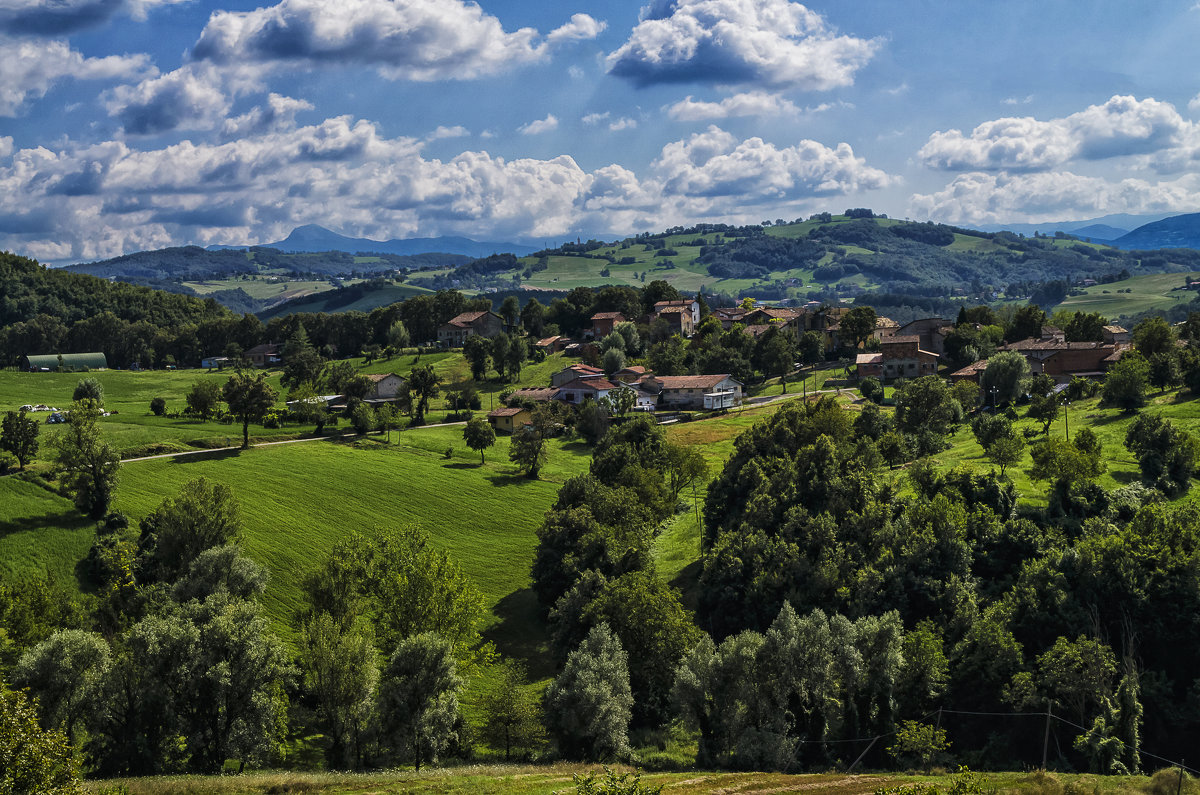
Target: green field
x=1146 y=293
x=268 y=287
x=557 y=778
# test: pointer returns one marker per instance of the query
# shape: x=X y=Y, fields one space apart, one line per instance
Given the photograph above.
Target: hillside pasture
x=1153 y=292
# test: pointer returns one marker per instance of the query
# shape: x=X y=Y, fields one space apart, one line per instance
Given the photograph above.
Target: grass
x=266 y=287
x=1151 y=292
x=557 y=778
x=40 y=532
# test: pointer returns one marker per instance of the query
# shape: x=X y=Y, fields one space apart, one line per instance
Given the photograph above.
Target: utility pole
x=1067 y=417
x=1046 y=738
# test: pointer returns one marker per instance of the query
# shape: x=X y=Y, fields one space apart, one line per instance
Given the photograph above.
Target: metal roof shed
x=72 y=362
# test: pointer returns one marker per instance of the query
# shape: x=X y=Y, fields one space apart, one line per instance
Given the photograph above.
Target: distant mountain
x=1120 y=221
x=1098 y=233
x=312 y=238
x=1181 y=231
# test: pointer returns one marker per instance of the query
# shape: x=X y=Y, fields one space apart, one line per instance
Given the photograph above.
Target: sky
x=128 y=125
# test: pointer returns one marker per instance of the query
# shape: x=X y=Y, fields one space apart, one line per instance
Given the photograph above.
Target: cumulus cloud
x=771 y=42
x=84 y=202
x=6 y=145
x=1121 y=126
x=190 y=97
x=29 y=67
x=715 y=163
x=753 y=103
x=623 y=123
x=539 y=126
x=279 y=113
x=596 y=118
x=58 y=17
x=457 y=131
x=978 y=198
x=412 y=40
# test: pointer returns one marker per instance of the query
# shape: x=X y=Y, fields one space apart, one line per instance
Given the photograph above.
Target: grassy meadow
x=1146 y=293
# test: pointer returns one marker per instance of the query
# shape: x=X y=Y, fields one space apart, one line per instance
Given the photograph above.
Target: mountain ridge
x=314 y=238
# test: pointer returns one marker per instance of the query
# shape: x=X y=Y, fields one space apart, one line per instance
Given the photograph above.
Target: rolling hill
x=1180 y=231
x=312 y=238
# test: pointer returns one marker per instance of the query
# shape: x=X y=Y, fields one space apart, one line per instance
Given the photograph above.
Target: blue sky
x=137 y=124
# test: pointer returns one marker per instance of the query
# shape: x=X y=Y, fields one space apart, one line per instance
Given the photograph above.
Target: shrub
x=88 y=389
x=158 y=406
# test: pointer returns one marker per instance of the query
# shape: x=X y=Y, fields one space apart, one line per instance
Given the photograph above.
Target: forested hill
x=186 y=263
x=48 y=310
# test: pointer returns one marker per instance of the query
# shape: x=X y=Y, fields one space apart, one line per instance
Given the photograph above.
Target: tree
x=90 y=465
x=926 y=404
x=511 y=717
x=19 y=436
x=500 y=345
x=89 y=389
x=479 y=435
x=918 y=742
x=33 y=760
x=301 y=362
x=683 y=465
x=1164 y=369
x=158 y=406
x=621 y=401
x=775 y=352
x=204 y=515
x=1125 y=384
x=418 y=696
x=1152 y=336
x=1167 y=456
x=249 y=398
x=533 y=317
x=362 y=417
x=589 y=704
x=1005 y=452
x=398 y=336
x=1044 y=409
x=338 y=659
x=871 y=389
x=1077 y=674
x=423 y=385
x=478 y=352
x=510 y=310
x=612 y=360
x=1007 y=373
x=858 y=325
x=528 y=450
x=202 y=399
x=65 y=673
x=387 y=419
x=1026 y=323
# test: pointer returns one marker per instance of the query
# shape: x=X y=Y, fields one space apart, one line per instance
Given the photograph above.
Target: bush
x=88 y=389
x=871 y=389
x=158 y=406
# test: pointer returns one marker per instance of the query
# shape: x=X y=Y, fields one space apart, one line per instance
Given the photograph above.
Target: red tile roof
x=608 y=316
x=509 y=412
x=690 y=381
x=597 y=384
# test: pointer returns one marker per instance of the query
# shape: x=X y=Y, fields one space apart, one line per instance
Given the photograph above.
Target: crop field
x=1152 y=292
x=267 y=287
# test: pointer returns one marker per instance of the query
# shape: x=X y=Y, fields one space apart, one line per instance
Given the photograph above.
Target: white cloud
x=978 y=198
x=84 y=202
x=581 y=28
x=752 y=103
x=1015 y=101
x=1121 y=126
x=539 y=126
x=410 y=40
x=715 y=163
x=6 y=145
x=279 y=114
x=623 y=123
x=191 y=97
x=771 y=42
x=1194 y=103
x=596 y=118
x=457 y=131
x=29 y=67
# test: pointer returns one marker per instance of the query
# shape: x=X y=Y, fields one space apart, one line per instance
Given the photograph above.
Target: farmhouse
x=555 y=344
x=631 y=374
x=73 y=362
x=535 y=394
x=694 y=391
x=932 y=332
x=604 y=322
x=385 y=388
x=581 y=389
x=678 y=318
x=263 y=355
x=689 y=305
x=1065 y=359
x=898 y=357
x=483 y=324
x=507 y=420
x=568 y=374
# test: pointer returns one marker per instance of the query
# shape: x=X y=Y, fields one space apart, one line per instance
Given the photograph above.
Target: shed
x=508 y=420
x=71 y=362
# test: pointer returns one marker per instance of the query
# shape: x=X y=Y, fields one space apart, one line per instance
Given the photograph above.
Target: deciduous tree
x=418 y=696
x=90 y=464
x=479 y=435
x=249 y=398
x=19 y=436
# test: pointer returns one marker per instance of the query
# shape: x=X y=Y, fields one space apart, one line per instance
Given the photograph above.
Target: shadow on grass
x=207 y=455
x=522 y=633
x=1126 y=478
x=70 y=519
x=511 y=479
x=461 y=465
x=688 y=583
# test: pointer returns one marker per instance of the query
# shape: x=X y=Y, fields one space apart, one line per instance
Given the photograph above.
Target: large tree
x=422 y=386
x=479 y=435
x=1005 y=378
x=19 y=436
x=338 y=660
x=203 y=399
x=857 y=325
x=249 y=398
x=204 y=515
x=418 y=696
x=589 y=704
x=528 y=450
x=89 y=463
x=33 y=760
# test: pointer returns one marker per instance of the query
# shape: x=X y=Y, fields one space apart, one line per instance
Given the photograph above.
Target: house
x=678 y=318
x=507 y=420
x=582 y=389
x=1116 y=334
x=689 y=305
x=756 y=331
x=772 y=315
x=694 y=391
x=603 y=324
x=263 y=355
x=885 y=327
x=1066 y=359
x=73 y=362
x=215 y=362
x=385 y=388
x=728 y=315
x=931 y=330
x=534 y=394
x=551 y=345
x=631 y=374
x=898 y=357
x=568 y=374
x=483 y=324
x=972 y=372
